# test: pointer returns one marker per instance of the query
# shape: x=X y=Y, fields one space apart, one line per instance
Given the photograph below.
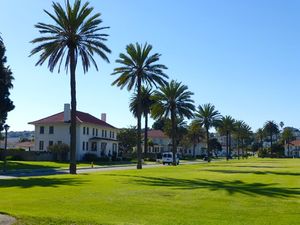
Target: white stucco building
x=293 y=149
x=93 y=135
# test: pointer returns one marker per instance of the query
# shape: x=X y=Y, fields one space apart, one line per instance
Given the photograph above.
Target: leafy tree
x=6 y=78
x=225 y=127
x=75 y=33
x=159 y=124
x=172 y=101
x=287 y=137
x=147 y=102
x=181 y=128
x=195 y=134
x=243 y=135
x=215 y=145
x=127 y=138
x=138 y=67
x=260 y=135
x=60 y=151
x=271 y=128
x=207 y=116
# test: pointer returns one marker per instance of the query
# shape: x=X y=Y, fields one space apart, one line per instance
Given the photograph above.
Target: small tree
x=127 y=138
x=6 y=79
x=60 y=151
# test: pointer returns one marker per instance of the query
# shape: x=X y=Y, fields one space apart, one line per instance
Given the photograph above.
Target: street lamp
x=6 y=127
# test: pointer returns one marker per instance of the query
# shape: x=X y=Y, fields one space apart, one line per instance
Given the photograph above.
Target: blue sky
x=242 y=56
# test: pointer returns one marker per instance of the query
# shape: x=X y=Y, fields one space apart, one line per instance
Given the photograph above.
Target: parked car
x=167 y=158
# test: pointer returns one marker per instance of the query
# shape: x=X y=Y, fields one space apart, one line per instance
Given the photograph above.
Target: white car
x=167 y=158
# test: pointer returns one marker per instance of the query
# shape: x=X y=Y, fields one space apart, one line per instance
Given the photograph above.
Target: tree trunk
x=271 y=136
x=72 y=167
x=174 y=144
x=207 y=144
x=139 y=114
x=194 y=149
x=238 y=148
x=146 y=134
x=227 y=145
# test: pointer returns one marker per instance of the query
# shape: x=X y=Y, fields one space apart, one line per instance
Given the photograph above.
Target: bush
x=14 y=158
x=90 y=157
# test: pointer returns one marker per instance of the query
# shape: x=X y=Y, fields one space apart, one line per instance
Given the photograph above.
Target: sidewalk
x=46 y=172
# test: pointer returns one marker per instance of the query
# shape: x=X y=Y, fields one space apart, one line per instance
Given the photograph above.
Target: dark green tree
x=271 y=128
x=138 y=67
x=287 y=136
x=173 y=101
x=207 y=117
x=225 y=127
x=127 y=138
x=147 y=102
x=75 y=34
x=6 y=78
x=195 y=134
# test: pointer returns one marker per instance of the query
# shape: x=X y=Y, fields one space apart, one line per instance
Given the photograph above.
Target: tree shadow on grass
x=231 y=187
x=254 y=172
x=40 y=182
x=19 y=165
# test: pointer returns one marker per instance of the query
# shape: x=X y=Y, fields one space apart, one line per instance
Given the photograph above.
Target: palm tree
x=287 y=137
x=138 y=67
x=242 y=133
x=207 y=116
x=173 y=100
x=195 y=133
x=76 y=33
x=260 y=134
x=225 y=127
x=271 y=128
x=147 y=102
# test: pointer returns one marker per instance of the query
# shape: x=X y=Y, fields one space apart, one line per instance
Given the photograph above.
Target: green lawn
x=13 y=166
x=245 y=192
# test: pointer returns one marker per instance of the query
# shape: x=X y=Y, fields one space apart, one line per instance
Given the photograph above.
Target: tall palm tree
x=173 y=100
x=271 y=128
x=147 y=102
x=75 y=34
x=241 y=133
x=138 y=67
x=195 y=134
x=225 y=127
x=260 y=135
x=207 y=116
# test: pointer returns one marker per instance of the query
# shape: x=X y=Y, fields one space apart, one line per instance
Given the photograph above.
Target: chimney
x=67 y=113
x=103 y=117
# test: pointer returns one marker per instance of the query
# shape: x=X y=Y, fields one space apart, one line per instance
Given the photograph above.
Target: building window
x=42 y=130
x=113 y=135
x=93 y=131
x=109 y=134
x=114 y=147
x=87 y=146
x=50 y=143
x=94 y=146
x=87 y=131
x=41 y=145
x=103 y=146
x=83 y=130
x=105 y=133
x=102 y=133
x=96 y=132
x=83 y=145
x=51 y=130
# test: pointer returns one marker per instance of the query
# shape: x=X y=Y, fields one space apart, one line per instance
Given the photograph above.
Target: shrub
x=90 y=157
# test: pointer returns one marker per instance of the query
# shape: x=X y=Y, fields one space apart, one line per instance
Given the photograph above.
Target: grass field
x=245 y=192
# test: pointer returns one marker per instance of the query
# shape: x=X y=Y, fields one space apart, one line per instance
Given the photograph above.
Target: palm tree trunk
x=207 y=144
x=271 y=136
x=139 y=113
x=72 y=167
x=146 y=134
x=194 y=149
x=227 y=144
x=238 y=148
x=173 y=121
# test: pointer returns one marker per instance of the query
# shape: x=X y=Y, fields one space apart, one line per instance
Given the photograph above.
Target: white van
x=167 y=158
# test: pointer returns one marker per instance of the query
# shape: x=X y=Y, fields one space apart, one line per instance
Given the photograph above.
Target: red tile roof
x=156 y=134
x=295 y=143
x=80 y=116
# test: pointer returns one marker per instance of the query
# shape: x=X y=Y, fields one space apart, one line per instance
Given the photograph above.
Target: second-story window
x=83 y=130
x=93 y=131
x=87 y=131
x=96 y=132
x=51 y=130
x=42 y=130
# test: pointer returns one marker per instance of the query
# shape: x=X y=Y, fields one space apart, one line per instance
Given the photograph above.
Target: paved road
x=45 y=172
x=6 y=220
